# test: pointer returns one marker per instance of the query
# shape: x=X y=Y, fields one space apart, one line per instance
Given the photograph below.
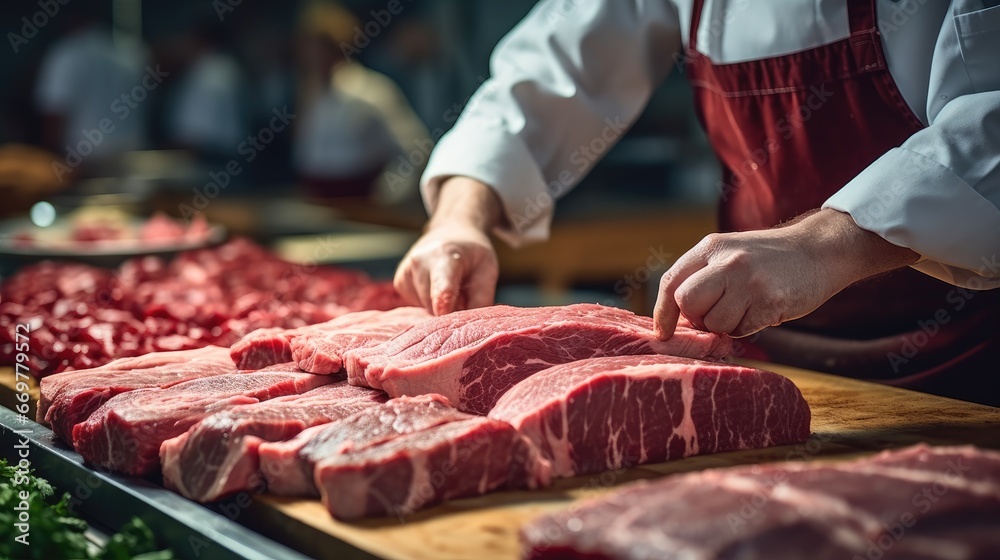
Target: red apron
x=792 y=130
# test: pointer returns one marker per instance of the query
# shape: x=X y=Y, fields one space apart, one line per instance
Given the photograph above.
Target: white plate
x=53 y=243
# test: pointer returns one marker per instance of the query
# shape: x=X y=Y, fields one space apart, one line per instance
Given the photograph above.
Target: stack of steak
x=382 y=413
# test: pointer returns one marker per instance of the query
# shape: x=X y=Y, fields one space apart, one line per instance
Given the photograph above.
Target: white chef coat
x=206 y=112
x=576 y=70
x=81 y=77
x=360 y=123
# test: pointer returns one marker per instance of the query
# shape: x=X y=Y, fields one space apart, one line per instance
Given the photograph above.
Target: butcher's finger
x=445 y=281
x=481 y=286
x=666 y=312
x=403 y=283
x=728 y=312
x=422 y=287
x=699 y=293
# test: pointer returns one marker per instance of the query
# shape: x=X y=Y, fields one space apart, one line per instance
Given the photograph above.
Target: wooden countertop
x=848 y=417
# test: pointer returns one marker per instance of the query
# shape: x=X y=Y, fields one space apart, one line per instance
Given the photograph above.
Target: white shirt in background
x=363 y=121
x=81 y=77
x=207 y=111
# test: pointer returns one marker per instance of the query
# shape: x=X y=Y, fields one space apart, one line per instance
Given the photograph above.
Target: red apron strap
x=861 y=16
x=695 y=22
x=865 y=42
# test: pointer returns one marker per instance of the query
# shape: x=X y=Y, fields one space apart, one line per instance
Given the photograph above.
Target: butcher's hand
x=453 y=265
x=740 y=283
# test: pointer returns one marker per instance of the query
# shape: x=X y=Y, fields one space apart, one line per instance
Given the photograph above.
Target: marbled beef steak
x=125 y=433
x=219 y=455
x=68 y=398
x=320 y=348
x=288 y=465
x=920 y=503
x=608 y=413
x=473 y=357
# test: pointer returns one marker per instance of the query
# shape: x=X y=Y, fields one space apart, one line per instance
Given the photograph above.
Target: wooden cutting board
x=848 y=418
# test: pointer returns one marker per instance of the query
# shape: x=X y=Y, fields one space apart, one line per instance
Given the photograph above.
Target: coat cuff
x=487 y=152
x=912 y=201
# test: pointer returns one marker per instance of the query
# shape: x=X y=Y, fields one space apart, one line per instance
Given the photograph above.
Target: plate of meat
x=104 y=236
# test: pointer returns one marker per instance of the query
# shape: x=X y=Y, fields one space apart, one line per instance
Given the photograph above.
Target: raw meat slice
x=474 y=356
x=83 y=316
x=66 y=399
x=319 y=348
x=288 y=465
x=322 y=350
x=262 y=348
x=453 y=460
x=917 y=503
x=381 y=296
x=125 y=433
x=218 y=456
x=621 y=411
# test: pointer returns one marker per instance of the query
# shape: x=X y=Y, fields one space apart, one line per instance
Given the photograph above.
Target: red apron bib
x=792 y=130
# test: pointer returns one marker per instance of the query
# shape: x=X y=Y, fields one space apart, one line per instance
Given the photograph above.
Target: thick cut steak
x=453 y=460
x=125 y=433
x=319 y=348
x=621 y=411
x=69 y=398
x=472 y=357
x=921 y=502
x=218 y=456
x=322 y=350
x=288 y=465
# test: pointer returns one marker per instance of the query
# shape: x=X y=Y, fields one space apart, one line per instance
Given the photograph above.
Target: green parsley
x=55 y=532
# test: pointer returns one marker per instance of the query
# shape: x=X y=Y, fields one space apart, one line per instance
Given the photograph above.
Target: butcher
x=860 y=193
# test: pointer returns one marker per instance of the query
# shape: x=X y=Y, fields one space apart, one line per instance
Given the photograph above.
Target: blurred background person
x=205 y=112
x=355 y=127
x=84 y=78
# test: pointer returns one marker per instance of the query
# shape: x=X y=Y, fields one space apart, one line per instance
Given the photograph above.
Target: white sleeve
x=939 y=193
x=566 y=83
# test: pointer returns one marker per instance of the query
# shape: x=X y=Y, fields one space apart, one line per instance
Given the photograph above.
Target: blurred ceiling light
x=43 y=214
